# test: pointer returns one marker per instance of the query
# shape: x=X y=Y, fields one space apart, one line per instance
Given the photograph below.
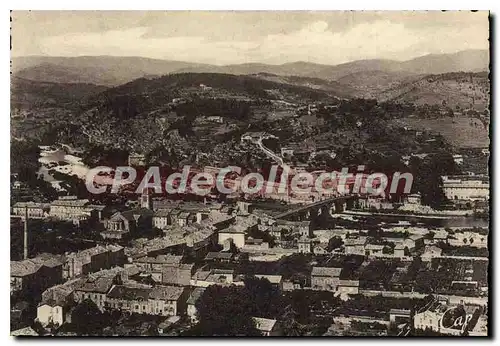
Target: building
x=93 y=260
x=427 y=320
x=123 y=224
x=157 y=263
x=355 y=246
x=95 y=288
x=304 y=228
x=447 y=320
x=167 y=300
x=205 y=278
x=321 y=249
x=146 y=200
x=168 y=324
x=459 y=159
x=192 y=312
x=399 y=251
x=35 y=275
x=181 y=215
x=158 y=300
x=185 y=218
x=414 y=198
x=175 y=275
x=399 y=316
x=282 y=227
x=161 y=219
x=468 y=238
x=236 y=232
x=325 y=279
x=19 y=312
x=348 y=286
x=374 y=250
x=276 y=232
x=225 y=257
x=215 y=119
x=56 y=302
x=268 y=327
x=232 y=234
x=27 y=331
x=304 y=245
x=135 y=159
x=275 y=280
x=414 y=242
x=35 y=210
x=70 y=208
x=256 y=244
x=430 y=252
x=468 y=188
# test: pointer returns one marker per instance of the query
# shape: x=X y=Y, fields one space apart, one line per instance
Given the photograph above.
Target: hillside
x=300 y=69
x=112 y=71
x=163 y=89
x=149 y=113
x=471 y=60
x=333 y=87
x=28 y=94
x=464 y=61
x=465 y=90
x=369 y=84
x=101 y=70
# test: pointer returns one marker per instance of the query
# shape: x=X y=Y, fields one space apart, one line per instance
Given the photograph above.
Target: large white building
x=447 y=320
x=471 y=188
x=35 y=210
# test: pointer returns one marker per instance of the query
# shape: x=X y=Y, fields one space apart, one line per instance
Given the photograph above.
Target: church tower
x=146 y=200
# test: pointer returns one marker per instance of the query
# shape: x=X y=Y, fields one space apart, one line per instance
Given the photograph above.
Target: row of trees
x=229 y=310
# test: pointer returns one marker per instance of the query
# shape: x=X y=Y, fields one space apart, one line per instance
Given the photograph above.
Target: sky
x=273 y=37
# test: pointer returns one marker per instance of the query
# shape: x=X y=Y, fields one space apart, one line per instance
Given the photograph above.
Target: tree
x=87 y=319
x=388 y=250
x=225 y=311
x=265 y=298
x=427 y=177
x=334 y=243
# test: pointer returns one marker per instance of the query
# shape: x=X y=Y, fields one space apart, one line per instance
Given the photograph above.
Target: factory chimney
x=26 y=233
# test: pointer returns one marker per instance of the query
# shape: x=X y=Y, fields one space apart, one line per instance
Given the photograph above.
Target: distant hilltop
x=112 y=71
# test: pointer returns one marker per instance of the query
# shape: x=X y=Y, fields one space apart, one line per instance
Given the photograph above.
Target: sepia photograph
x=250 y=173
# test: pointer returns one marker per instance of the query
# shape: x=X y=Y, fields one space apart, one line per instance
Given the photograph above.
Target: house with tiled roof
x=325 y=278
x=355 y=246
x=158 y=300
x=267 y=326
x=27 y=331
x=236 y=232
x=56 y=303
x=34 y=275
x=35 y=210
x=92 y=260
x=70 y=208
x=95 y=289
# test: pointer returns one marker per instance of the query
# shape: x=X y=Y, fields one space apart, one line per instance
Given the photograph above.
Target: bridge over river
x=316 y=209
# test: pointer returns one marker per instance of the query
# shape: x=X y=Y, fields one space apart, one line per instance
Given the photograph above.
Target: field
x=462 y=132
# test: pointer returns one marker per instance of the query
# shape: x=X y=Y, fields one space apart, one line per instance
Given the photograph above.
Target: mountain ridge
x=112 y=71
